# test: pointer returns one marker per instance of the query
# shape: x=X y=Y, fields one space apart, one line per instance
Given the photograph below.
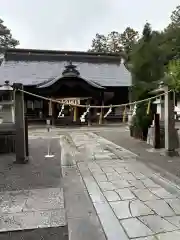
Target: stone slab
x=100 y=177
x=137 y=184
x=44 y=199
x=32 y=220
x=121 y=170
x=127 y=176
x=106 y=186
x=113 y=176
x=160 y=207
x=112 y=196
x=138 y=175
x=162 y=193
x=147 y=238
x=121 y=209
x=174 y=220
x=120 y=184
x=175 y=205
x=150 y=183
x=110 y=223
x=144 y=194
x=157 y=224
x=138 y=208
x=32 y=209
x=108 y=169
x=168 y=236
x=125 y=194
x=135 y=228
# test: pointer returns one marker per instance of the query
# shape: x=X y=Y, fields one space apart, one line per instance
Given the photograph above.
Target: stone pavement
x=31 y=195
x=131 y=200
x=167 y=166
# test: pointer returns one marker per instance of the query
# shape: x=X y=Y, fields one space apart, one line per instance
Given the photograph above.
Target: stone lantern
x=6 y=104
x=165 y=108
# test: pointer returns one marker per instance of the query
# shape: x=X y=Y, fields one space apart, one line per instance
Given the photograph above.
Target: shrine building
x=68 y=77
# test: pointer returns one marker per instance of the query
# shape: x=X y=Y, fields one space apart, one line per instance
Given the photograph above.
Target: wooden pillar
x=26 y=137
x=157 y=131
x=169 y=123
x=51 y=111
x=130 y=107
x=89 y=113
x=75 y=114
x=95 y=111
x=102 y=109
x=50 y=108
x=20 y=143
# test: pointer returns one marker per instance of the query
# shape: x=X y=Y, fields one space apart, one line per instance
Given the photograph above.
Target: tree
x=147 y=32
x=115 y=42
x=128 y=39
x=172 y=76
x=99 y=44
x=147 y=61
x=6 y=39
x=175 y=16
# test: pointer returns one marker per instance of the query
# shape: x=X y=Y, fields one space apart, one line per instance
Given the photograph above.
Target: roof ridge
x=56 y=52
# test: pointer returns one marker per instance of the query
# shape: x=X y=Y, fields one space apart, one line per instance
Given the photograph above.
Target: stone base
x=164 y=152
x=22 y=161
x=171 y=153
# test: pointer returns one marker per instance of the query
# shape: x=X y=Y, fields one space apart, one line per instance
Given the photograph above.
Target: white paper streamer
x=82 y=118
x=61 y=112
x=108 y=112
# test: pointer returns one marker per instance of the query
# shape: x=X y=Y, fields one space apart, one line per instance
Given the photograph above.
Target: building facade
x=67 y=78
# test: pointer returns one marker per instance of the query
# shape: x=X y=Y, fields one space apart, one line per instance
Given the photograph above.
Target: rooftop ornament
x=70 y=71
x=6 y=87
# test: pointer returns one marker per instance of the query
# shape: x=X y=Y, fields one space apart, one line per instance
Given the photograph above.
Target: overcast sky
x=71 y=24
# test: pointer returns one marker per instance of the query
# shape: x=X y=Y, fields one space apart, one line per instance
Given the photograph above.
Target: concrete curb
x=68 y=151
x=83 y=222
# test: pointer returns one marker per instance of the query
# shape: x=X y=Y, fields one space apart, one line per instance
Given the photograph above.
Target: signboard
x=69 y=101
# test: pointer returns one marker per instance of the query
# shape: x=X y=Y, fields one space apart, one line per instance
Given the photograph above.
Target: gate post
x=20 y=140
x=157 y=141
x=169 y=123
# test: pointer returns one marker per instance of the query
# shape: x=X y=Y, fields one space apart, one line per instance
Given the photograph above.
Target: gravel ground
x=39 y=173
x=37 y=234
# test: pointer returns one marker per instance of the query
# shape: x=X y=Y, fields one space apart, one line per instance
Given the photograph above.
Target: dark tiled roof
x=37 y=66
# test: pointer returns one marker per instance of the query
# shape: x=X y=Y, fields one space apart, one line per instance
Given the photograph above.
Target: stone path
x=129 y=202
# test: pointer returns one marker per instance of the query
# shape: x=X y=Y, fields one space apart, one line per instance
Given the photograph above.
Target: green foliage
x=150 y=56
x=172 y=77
x=6 y=39
x=147 y=59
x=147 y=32
x=128 y=39
x=141 y=119
x=115 y=42
x=175 y=17
x=153 y=57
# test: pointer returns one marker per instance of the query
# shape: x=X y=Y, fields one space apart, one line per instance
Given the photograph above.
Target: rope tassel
x=82 y=118
x=108 y=112
x=61 y=112
x=124 y=115
x=148 y=107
